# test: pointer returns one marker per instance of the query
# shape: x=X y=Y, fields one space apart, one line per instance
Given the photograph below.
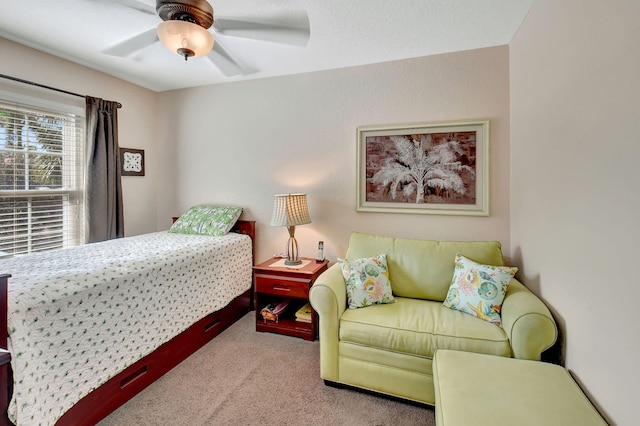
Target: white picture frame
x=449 y=160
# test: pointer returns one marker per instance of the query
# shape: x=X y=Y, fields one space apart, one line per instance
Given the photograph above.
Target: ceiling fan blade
x=287 y=33
x=225 y=63
x=134 y=4
x=134 y=44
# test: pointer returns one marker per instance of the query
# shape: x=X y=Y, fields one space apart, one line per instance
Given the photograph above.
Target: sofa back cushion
x=422 y=269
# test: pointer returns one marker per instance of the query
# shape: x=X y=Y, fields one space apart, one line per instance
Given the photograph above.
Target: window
x=41 y=176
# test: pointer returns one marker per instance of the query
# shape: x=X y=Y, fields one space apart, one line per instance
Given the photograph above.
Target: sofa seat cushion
x=419 y=327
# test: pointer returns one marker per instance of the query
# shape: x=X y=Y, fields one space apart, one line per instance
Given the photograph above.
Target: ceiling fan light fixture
x=184 y=38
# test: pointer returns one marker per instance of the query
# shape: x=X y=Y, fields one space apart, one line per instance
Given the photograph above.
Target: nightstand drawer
x=282 y=286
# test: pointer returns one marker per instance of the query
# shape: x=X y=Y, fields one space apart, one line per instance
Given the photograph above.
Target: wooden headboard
x=247 y=227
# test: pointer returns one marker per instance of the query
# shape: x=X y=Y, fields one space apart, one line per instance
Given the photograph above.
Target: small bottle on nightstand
x=320 y=257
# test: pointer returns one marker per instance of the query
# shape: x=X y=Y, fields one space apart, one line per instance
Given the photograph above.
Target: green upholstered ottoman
x=478 y=389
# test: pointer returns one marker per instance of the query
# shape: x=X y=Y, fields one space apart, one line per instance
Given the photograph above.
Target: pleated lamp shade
x=290 y=210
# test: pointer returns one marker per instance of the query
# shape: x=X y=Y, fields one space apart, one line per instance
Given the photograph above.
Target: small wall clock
x=132 y=161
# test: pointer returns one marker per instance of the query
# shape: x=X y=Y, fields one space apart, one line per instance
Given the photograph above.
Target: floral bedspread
x=79 y=316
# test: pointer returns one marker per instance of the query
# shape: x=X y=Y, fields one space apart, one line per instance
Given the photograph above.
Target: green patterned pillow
x=207 y=220
x=478 y=289
x=367 y=281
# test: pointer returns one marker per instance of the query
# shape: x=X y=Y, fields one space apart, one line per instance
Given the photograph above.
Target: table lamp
x=290 y=210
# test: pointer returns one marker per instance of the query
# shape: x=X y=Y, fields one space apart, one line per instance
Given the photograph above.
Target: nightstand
x=274 y=283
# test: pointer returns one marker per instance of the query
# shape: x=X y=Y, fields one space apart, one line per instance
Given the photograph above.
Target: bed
x=87 y=329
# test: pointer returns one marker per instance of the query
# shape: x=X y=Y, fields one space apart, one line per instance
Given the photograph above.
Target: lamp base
x=292 y=248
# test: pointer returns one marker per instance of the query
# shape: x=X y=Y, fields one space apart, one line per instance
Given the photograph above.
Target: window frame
x=73 y=148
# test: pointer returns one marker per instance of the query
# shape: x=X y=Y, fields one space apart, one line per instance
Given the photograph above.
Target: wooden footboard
x=5 y=356
x=122 y=387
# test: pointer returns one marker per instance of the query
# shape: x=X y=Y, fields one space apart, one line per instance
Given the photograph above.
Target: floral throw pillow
x=207 y=220
x=479 y=290
x=367 y=281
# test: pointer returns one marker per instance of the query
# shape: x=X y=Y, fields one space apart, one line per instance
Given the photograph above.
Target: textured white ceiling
x=344 y=33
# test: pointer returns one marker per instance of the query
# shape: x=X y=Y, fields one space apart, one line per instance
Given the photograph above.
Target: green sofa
x=388 y=348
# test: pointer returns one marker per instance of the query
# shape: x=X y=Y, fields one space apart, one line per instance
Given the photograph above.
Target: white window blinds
x=41 y=178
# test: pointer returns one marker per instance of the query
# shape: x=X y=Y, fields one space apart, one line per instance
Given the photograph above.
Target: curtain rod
x=19 y=80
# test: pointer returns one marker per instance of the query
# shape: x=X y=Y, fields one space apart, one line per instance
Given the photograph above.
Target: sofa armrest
x=528 y=323
x=328 y=296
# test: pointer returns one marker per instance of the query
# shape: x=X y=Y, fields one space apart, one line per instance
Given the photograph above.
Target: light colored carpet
x=243 y=377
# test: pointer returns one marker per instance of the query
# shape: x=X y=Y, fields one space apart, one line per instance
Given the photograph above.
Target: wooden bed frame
x=122 y=387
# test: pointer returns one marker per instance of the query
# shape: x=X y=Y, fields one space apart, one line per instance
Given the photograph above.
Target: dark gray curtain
x=104 y=186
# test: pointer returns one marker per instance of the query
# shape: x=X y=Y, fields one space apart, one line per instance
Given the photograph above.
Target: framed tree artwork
x=440 y=168
x=132 y=161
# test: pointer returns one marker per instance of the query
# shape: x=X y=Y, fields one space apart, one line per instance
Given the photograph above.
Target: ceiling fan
x=186 y=28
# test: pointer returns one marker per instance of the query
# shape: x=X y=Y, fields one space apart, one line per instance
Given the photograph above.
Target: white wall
x=136 y=119
x=241 y=143
x=575 y=111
